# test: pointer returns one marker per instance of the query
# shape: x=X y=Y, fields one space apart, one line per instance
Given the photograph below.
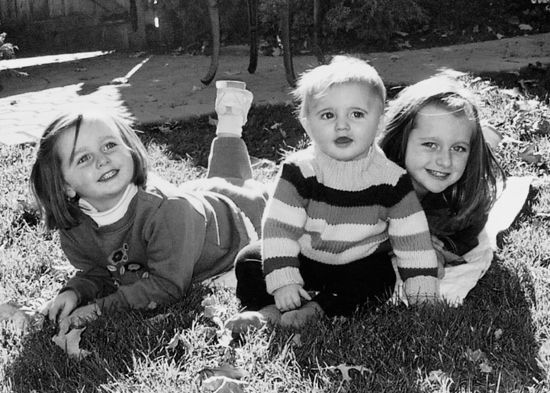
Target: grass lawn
x=498 y=341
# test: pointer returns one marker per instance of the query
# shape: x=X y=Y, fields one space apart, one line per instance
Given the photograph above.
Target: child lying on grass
x=137 y=243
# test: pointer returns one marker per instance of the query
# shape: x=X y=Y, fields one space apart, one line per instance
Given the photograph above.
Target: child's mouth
x=343 y=140
x=109 y=175
x=437 y=174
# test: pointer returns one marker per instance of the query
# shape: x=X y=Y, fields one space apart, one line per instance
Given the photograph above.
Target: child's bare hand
x=290 y=297
x=60 y=307
x=79 y=317
x=437 y=244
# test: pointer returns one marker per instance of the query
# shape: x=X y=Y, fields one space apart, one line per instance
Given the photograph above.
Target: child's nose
x=342 y=123
x=102 y=159
x=444 y=158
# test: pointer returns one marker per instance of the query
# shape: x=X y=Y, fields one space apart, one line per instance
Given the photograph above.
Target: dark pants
x=341 y=288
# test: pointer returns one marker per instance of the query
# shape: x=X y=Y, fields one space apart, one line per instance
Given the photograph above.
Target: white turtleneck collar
x=344 y=175
x=113 y=214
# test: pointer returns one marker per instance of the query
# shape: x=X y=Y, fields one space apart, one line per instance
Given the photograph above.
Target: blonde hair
x=314 y=83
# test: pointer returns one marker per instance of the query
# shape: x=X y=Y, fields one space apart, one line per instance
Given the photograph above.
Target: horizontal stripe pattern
x=346 y=221
x=311 y=188
x=410 y=225
x=338 y=254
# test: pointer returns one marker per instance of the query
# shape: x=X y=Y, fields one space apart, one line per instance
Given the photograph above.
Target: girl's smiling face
x=438 y=149
x=98 y=166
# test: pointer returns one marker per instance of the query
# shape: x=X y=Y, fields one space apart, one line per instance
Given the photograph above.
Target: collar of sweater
x=351 y=175
x=113 y=214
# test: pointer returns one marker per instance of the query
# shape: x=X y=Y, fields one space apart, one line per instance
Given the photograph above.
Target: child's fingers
x=437 y=243
x=64 y=326
x=64 y=313
x=279 y=303
x=304 y=294
x=53 y=311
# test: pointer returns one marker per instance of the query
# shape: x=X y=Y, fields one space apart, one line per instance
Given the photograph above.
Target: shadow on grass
x=533 y=80
x=269 y=131
x=114 y=340
x=401 y=347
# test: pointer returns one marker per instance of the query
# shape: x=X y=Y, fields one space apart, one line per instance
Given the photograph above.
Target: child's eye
x=83 y=159
x=357 y=114
x=109 y=145
x=460 y=149
x=327 y=115
x=430 y=145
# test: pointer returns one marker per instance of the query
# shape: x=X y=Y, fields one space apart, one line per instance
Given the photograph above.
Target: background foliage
x=367 y=24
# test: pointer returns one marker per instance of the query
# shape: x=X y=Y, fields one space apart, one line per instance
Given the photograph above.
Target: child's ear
x=381 y=125
x=305 y=124
x=70 y=192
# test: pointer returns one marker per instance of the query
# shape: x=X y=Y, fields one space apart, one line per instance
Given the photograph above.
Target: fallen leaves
x=223 y=371
x=480 y=358
x=21 y=318
x=222 y=385
x=440 y=380
x=223 y=379
x=10 y=312
x=345 y=370
x=214 y=311
x=530 y=155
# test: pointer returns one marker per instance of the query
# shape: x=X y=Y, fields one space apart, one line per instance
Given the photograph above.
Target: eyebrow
x=424 y=138
x=352 y=109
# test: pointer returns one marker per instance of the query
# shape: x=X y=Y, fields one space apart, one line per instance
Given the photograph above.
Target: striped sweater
x=337 y=212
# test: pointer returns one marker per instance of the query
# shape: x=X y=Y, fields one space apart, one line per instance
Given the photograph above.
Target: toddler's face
x=345 y=121
x=101 y=166
x=438 y=149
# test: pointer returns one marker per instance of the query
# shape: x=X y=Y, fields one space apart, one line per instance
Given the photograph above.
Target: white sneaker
x=232 y=106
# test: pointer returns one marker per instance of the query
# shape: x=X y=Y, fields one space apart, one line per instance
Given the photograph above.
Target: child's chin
x=436 y=189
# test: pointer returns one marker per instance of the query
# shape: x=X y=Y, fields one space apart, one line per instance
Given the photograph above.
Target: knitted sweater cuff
x=282 y=277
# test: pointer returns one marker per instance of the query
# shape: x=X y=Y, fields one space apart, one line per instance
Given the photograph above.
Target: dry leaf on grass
x=344 y=370
x=180 y=338
x=478 y=356
x=485 y=367
x=70 y=343
x=474 y=356
x=529 y=154
x=222 y=385
x=223 y=379
x=20 y=317
x=297 y=340
x=213 y=311
x=223 y=371
x=542 y=127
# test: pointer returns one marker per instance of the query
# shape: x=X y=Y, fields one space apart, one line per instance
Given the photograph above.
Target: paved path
x=168 y=87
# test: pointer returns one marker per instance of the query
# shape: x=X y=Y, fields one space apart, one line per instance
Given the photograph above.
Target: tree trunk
x=253 y=28
x=317 y=32
x=285 y=37
x=215 y=23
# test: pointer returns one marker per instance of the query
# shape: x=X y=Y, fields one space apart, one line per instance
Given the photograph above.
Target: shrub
x=344 y=24
x=370 y=22
x=7 y=49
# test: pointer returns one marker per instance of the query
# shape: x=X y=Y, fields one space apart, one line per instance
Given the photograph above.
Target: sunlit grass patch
x=498 y=341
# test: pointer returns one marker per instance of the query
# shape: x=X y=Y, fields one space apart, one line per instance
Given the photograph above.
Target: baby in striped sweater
x=324 y=247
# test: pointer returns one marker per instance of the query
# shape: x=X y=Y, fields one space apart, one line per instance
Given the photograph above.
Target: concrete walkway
x=163 y=87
